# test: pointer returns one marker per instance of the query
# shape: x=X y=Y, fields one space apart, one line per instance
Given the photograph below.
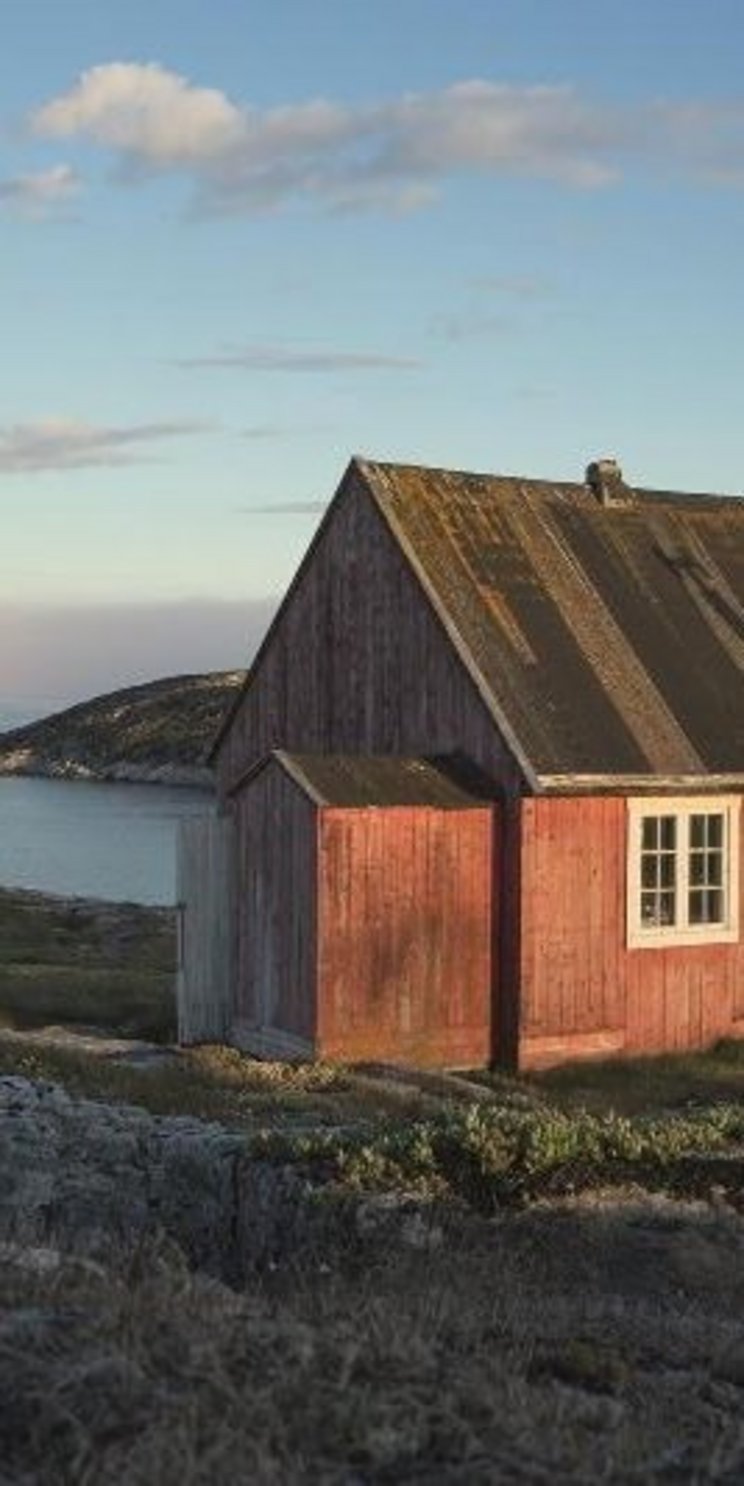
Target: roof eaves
x=293 y=768
x=626 y=784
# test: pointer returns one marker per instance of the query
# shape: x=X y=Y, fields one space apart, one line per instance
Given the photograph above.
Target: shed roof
x=607 y=639
x=358 y=780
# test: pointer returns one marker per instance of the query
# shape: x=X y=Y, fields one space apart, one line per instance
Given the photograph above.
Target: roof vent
x=605 y=478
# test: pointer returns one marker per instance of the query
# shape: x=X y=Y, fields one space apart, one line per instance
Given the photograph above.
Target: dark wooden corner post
x=506 y=930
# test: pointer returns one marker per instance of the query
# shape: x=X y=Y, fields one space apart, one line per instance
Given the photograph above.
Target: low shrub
x=490 y=1155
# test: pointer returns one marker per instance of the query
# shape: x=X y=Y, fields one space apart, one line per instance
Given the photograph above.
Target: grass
x=548 y=1320
x=76 y=962
x=217 y=1083
x=480 y=1361
x=344 y=1128
x=647 y=1085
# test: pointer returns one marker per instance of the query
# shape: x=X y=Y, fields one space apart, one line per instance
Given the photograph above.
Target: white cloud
x=271 y=358
x=63 y=444
x=144 y=111
x=390 y=156
x=471 y=325
x=41 y=195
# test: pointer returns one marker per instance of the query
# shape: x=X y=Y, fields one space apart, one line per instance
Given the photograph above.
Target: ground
x=535 y=1279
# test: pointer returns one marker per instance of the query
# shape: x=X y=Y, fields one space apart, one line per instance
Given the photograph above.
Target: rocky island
x=155 y=733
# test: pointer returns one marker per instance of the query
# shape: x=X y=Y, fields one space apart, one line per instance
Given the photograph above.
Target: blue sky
x=240 y=241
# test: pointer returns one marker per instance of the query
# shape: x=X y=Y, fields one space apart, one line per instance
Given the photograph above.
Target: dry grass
x=574 y=1344
x=216 y=1083
x=649 y=1085
x=86 y=963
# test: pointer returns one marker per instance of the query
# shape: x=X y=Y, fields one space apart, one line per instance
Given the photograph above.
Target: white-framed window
x=683 y=871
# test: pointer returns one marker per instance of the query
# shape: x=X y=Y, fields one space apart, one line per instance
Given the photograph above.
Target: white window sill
x=671 y=938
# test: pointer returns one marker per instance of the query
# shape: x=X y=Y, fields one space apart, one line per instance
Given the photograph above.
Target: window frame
x=682 y=932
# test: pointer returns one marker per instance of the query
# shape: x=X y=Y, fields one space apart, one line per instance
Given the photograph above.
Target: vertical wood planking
x=275 y=911
x=582 y=990
x=205 y=894
x=405 y=935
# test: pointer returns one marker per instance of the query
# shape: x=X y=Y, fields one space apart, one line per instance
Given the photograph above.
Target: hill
x=156 y=733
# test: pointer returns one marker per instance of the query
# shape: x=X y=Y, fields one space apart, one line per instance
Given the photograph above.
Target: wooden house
x=480 y=796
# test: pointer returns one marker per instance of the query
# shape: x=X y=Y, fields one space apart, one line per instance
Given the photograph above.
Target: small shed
x=365 y=917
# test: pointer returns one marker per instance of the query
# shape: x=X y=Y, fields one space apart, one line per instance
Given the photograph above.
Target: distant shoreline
x=157 y=733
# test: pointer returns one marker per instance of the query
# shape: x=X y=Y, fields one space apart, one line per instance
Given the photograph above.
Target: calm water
x=112 y=841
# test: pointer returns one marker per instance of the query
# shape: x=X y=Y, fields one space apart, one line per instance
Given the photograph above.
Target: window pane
x=714 y=868
x=697 y=868
x=714 y=901
x=715 y=830
x=697 y=906
x=650 y=833
x=697 y=831
x=667 y=870
x=657 y=909
x=649 y=915
x=649 y=870
x=668 y=832
x=666 y=907
x=706 y=906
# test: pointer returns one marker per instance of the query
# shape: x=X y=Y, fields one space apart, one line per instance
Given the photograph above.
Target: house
x=480 y=796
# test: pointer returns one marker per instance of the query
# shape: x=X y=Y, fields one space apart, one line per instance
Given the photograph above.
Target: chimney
x=605 y=479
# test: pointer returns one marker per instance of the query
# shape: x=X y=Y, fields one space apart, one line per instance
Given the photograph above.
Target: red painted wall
x=404 y=935
x=580 y=990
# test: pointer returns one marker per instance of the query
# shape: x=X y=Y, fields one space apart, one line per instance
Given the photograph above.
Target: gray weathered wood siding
x=206 y=922
x=359 y=662
x=276 y=853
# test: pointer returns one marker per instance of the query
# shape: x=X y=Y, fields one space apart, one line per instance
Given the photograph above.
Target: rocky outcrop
x=158 y=733
x=96 y=1181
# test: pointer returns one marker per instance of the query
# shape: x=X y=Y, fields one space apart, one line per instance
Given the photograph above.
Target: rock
x=94 y=1180
x=155 y=733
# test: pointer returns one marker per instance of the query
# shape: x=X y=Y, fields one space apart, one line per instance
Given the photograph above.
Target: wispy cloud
x=280 y=358
x=63 y=444
x=38 y=197
x=392 y=155
x=284 y=508
x=469 y=325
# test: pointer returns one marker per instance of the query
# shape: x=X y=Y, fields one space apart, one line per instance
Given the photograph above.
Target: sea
x=113 y=841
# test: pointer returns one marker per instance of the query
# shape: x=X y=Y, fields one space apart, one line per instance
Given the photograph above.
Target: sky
x=241 y=241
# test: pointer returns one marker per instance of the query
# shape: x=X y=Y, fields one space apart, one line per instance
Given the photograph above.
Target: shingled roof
x=360 y=780
x=604 y=627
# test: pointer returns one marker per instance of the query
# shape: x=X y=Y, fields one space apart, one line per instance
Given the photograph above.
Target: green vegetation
x=220 y=1084
x=644 y=1085
x=84 y=963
